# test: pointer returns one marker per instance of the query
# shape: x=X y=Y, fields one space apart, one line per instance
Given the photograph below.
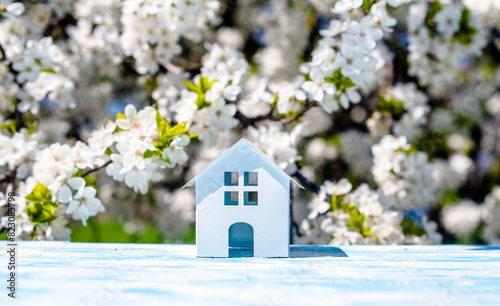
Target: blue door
x=241 y=242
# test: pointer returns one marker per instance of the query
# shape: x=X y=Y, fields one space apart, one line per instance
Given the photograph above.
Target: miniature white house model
x=242 y=205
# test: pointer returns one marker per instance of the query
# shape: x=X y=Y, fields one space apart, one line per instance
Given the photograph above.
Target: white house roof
x=243 y=140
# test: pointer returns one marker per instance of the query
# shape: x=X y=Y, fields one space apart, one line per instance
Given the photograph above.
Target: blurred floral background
x=387 y=111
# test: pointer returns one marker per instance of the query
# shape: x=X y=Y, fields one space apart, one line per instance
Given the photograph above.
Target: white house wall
x=269 y=219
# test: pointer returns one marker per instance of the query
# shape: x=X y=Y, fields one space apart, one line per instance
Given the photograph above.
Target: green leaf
x=108 y=151
x=10 y=126
x=191 y=86
x=356 y=219
x=151 y=84
x=120 y=116
x=41 y=212
x=465 y=31
x=48 y=70
x=148 y=154
x=158 y=118
x=347 y=83
x=340 y=82
x=89 y=180
x=450 y=196
x=32 y=127
x=367 y=4
x=434 y=8
x=411 y=229
x=409 y=151
x=178 y=129
x=104 y=79
x=39 y=194
x=42 y=208
x=390 y=106
x=203 y=86
x=200 y=101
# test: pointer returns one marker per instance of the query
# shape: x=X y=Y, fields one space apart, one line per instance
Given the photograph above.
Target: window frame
x=227 y=198
x=228 y=176
x=246 y=201
x=246 y=178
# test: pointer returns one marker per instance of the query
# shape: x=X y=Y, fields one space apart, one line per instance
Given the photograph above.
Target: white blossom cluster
x=152 y=29
x=414 y=110
x=402 y=174
x=442 y=36
x=467 y=218
x=206 y=110
x=17 y=152
x=347 y=52
x=360 y=217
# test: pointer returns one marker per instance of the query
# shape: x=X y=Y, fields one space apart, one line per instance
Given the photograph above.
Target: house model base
x=242 y=205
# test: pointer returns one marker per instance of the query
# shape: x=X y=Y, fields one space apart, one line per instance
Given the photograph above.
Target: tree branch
x=307 y=107
x=96 y=169
x=2 y=52
x=306 y=182
x=8 y=177
x=246 y=121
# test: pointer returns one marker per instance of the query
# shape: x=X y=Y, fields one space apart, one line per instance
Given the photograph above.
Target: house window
x=251 y=198
x=231 y=198
x=251 y=179
x=230 y=178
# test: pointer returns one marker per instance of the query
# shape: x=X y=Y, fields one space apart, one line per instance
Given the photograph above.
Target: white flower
x=462 y=218
x=84 y=205
x=11 y=10
x=35 y=57
x=83 y=157
x=365 y=33
x=348 y=95
x=134 y=170
x=101 y=139
x=224 y=64
x=220 y=89
x=317 y=87
x=54 y=165
x=130 y=121
x=220 y=115
x=343 y=236
x=75 y=184
x=343 y=6
x=381 y=17
x=447 y=20
x=351 y=58
x=176 y=153
x=18 y=151
x=289 y=96
x=81 y=200
x=387 y=230
x=343 y=186
x=335 y=28
x=318 y=205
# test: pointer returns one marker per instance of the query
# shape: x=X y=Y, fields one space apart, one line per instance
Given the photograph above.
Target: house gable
x=243 y=155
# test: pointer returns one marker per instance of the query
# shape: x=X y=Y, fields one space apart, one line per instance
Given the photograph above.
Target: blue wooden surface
x=63 y=273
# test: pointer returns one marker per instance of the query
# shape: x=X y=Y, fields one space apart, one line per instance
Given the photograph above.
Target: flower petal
x=77 y=183
x=130 y=112
x=89 y=192
x=72 y=207
x=65 y=194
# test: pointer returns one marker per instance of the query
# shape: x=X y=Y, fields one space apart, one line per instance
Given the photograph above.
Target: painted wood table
x=63 y=273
